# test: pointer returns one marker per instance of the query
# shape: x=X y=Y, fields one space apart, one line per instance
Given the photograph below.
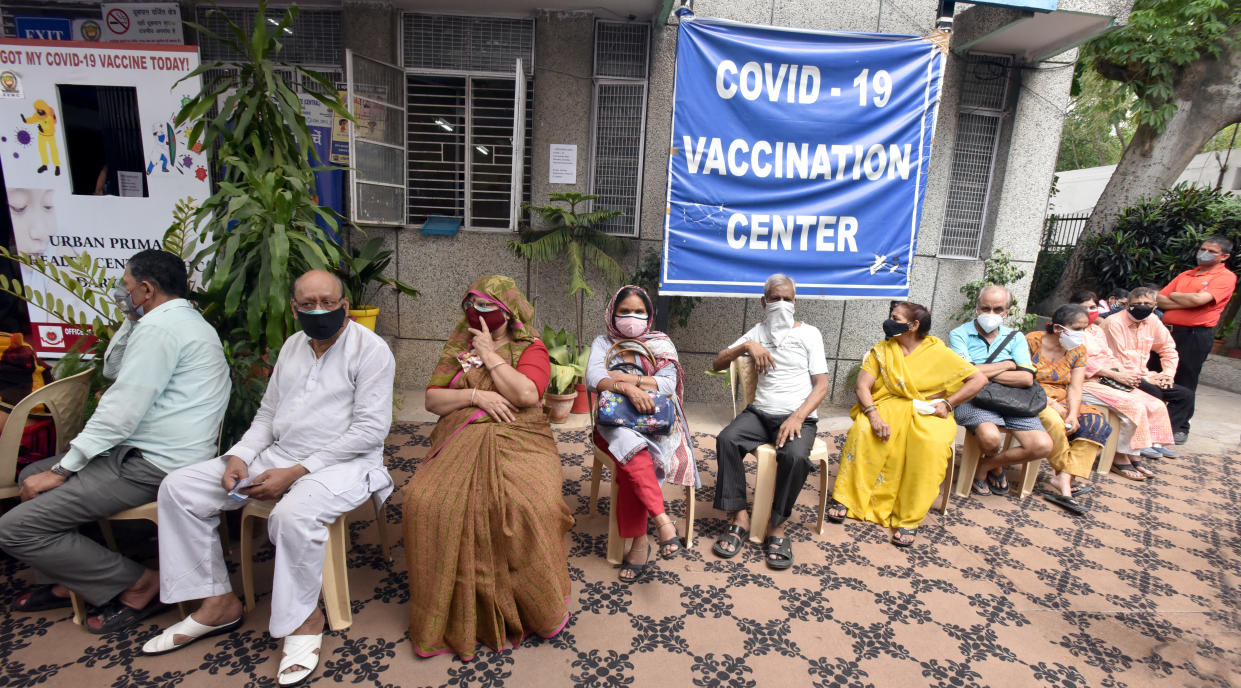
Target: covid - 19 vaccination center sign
x=93 y=161
x=798 y=152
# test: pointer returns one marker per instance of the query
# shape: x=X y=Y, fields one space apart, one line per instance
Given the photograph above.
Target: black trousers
x=1192 y=344
x=1180 y=401
x=742 y=436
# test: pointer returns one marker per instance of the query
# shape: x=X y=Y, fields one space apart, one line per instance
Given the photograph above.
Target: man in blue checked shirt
x=162 y=413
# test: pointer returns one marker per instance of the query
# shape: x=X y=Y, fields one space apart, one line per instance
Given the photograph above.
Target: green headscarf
x=503 y=290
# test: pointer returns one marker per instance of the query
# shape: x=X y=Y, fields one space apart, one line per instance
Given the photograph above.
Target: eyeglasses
x=998 y=310
x=329 y=305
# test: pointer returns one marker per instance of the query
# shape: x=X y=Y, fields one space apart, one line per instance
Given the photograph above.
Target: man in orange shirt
x=1192 y=303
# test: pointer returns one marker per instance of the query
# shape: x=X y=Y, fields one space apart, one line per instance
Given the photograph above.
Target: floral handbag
x=616 y=409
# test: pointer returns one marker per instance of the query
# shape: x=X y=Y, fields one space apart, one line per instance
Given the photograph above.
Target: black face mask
x=322 y=325
x=891 y=328
x=1140 y=312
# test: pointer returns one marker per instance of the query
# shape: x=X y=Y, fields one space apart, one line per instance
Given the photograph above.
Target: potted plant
x=361 y=271
x=568 y=365
x=1222 y=333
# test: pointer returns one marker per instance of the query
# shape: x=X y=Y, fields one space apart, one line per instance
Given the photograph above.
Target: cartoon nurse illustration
x=44 y=119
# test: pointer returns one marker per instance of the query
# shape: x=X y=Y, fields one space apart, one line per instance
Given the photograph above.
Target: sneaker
x=1180 y=437
x=1150 y=453
x=1168 y=453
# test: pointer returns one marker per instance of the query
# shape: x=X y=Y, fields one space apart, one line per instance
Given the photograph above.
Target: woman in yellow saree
x=484 y=518
x=898 y=449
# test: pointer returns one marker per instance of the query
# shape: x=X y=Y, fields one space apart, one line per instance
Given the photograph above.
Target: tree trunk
x=1208 y=98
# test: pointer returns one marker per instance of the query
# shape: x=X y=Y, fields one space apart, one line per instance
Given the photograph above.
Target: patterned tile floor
x=1000 y=591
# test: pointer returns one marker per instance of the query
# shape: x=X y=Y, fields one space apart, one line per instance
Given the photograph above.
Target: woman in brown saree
x=484 y=517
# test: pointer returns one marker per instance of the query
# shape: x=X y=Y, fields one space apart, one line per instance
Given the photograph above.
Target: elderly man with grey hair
x=1003 y=355
x=792 y=381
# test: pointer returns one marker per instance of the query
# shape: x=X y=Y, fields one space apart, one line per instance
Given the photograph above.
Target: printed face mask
x=125 y=301
x=1206 y=257
x=631 y=324
x=989 y=321
x=891 y=328
x=321 y=324
x=494 y=317
x=1071 y=339
x=1140 y=312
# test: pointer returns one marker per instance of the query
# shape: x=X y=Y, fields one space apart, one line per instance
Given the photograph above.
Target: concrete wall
x=442 y=266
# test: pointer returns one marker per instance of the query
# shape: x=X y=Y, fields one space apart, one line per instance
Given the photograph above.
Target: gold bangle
x=473 y=391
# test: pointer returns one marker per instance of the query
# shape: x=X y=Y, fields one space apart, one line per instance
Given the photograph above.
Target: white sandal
x=299 y=650
x=162 y=643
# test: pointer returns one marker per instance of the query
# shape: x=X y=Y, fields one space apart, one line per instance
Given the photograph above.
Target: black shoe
x=42 y=169
x=1180 y=437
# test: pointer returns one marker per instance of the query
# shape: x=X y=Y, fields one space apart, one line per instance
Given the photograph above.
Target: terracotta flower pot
x=1217 y=346
x=582 y=403
x=559 y=405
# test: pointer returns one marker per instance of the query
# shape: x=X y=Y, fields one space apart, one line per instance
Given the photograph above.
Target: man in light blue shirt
x=163 y=412
x=1004 y=359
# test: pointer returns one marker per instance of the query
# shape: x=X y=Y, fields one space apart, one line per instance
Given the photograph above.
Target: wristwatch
x=62 y=471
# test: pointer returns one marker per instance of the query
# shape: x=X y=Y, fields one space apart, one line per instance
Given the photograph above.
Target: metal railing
x=1061 y=231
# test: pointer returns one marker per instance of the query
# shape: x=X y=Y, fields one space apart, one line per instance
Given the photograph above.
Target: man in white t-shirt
x=792 y=381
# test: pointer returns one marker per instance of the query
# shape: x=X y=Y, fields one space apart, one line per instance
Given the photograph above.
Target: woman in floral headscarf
x=642 y=461
x=484 y=517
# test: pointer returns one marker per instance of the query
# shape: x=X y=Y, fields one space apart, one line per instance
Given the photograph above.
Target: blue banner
x=797 y=152
x=44 y=28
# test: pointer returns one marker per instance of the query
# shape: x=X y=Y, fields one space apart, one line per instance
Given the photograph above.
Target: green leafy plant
x=998 y=270
x=259 y=231
x=361 y=269
x=680 y=308
x=1225 y=329
x=576 y=237
x=568 y=362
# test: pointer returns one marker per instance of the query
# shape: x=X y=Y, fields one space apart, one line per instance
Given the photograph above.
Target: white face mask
x=989 y=321
x=779 y=320
x=1071 y=339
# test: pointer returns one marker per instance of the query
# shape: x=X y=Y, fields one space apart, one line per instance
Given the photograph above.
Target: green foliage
x=647 y=277
x=1159 y=237
x=361 y=269
x=1096 y=125
x=1225 y=329
x=568 y=361
x=1048 y=272
x=179 y=239
x=1146 y=57
x=575 y=236
x=999 y=270
x=259 y=231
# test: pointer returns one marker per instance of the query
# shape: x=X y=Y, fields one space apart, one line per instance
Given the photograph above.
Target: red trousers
x=638 y=494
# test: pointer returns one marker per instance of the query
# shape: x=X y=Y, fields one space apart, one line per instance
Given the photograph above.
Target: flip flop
x=117 y=616
x=1119 y=469
x=999 y=486
x=39 y=599
x=1137 y=466
x=1081 y=490
x=638 y=569
x=1067 y=503
x=903 y=532
x=734 y=535
x=299 y=650
x=781 y=548
x=837 y=512
x=162 y=644
x=980 y=488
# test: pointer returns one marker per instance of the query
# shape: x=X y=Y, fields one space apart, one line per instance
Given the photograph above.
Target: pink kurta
x=1148 y=414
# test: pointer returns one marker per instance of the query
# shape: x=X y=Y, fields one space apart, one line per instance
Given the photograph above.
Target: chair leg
x=336 y=577
x=226 y=540
x=247 y=561
x=595 y=471
x=690 y=496
x=381 y=524
x=1029 y=476
x=105 y=526
x=764 y=493
x=616 y=544
x=945 y=493
x=79 y=608
x=1108 y=453
x=822 y=495
x=971 y=452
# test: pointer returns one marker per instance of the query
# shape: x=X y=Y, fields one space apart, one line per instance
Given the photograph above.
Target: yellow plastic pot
x=365 y=316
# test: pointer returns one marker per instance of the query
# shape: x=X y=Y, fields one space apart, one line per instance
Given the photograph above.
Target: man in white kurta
x=316 y=444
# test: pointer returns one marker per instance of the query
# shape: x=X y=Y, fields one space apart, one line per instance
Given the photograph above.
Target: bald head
x=317 y=287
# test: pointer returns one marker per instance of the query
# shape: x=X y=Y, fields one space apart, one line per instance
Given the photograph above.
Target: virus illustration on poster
x=171 y=151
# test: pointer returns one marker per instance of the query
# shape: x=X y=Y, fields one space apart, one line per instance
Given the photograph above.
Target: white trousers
x=191 y=560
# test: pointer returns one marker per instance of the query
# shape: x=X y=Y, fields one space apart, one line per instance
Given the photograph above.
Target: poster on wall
x=92 y=159
x=798 y=152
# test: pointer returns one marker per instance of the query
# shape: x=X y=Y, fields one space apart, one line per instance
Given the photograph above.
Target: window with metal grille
x=458 y=43
x=313 y=39
x=983 y=93
x=461 y=109
x=619 y=121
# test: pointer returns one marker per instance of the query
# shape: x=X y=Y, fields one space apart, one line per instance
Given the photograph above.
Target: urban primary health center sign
x=797 y=152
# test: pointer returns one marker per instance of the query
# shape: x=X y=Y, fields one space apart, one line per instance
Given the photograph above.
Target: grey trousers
x=42 y=532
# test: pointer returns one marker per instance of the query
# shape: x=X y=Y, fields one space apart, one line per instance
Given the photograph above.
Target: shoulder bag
x=1017 y=402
